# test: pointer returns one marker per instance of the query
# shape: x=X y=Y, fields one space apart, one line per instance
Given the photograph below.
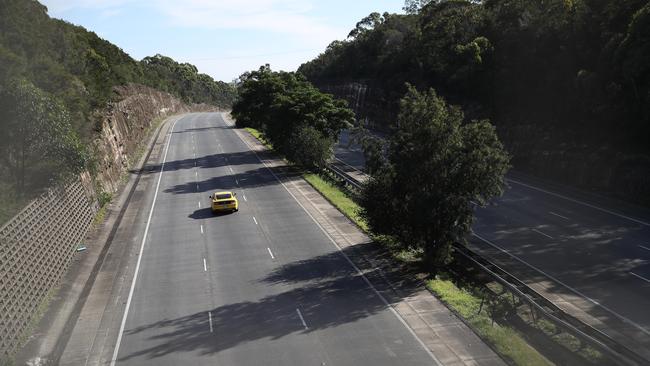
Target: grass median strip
x=506 y=341
x=336 y=197
x=467 y=305
x=259 y=136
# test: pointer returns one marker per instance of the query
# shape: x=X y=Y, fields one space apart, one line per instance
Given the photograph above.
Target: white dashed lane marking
x=640 y=277
x=558 y=215
x=210 y=320
x=541 y=233
x=304 y=324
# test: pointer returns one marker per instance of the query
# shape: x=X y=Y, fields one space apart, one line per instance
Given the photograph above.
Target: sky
x=222 y=38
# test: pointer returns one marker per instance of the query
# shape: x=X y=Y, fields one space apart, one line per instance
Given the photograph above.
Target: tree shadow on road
x=253 y=178
x=203 y=162
x=328 y=291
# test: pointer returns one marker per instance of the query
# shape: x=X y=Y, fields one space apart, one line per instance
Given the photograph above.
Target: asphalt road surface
x=263 y=286
x=586 y=250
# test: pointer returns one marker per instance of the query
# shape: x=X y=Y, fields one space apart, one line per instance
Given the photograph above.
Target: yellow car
x=224 y=201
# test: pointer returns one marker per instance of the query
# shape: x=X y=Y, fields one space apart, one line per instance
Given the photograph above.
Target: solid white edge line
x=254 y=219
x=368 y=283
x=205 y=265
x=558 y=215
x=210 y=320
x=144 y=240
x=304 y=324
x=580 y=202
x=619 y=316
x=270 y=253
x=640 y=277
x=541 y=233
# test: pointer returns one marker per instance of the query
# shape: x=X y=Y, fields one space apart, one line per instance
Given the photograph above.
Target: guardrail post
x=482 y=301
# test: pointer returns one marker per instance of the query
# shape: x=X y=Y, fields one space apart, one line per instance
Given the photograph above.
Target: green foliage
x=506 y=340
x=337 y=197
x=36 y=138
x=437 y=167
x=53 y=77
x=373 y=148
x=79 y=68
x=309 y=148
x=185 y=81
x=566 y=82
x=104 y=198
x=298 y=120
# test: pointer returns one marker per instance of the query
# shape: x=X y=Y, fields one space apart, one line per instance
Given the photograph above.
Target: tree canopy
x=438 y=166
x=567 y=83
x=53 y=76
x=79 y=68
x=36 y=138
x=301 y=122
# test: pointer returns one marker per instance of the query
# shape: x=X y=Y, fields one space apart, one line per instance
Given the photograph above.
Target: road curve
x=261 y=286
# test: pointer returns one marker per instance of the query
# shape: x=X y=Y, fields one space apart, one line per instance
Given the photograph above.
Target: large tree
x=301 y=122
x=37 y=142
x=438 y=164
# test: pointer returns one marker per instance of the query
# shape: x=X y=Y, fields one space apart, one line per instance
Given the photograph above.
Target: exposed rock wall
x=124 y=126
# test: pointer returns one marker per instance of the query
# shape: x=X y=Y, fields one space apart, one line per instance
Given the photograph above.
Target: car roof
x=223 y=192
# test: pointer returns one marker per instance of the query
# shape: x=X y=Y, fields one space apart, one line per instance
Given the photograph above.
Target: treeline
x=53 y=77
x=567 y=83
x=299 y=121
x=79 y=68
x=436 y=166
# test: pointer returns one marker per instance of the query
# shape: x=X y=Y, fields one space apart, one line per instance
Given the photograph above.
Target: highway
x=261 y=286
x=588 y=253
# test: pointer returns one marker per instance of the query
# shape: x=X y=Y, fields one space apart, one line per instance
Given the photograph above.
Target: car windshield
x=223 y=196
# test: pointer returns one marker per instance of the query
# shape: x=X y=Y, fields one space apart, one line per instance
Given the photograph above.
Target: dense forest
x=54 y=76
x=566 y=82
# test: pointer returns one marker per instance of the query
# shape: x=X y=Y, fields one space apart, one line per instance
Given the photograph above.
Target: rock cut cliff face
x=125 y=125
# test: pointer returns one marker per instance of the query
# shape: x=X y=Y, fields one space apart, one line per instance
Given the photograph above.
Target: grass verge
x=505 y=340
x=337 y=197
x=260 y=136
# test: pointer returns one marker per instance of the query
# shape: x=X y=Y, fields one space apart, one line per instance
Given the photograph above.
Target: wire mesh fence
x=36 y=248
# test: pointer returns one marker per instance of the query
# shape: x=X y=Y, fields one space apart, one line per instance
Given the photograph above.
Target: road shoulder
x=71 y=328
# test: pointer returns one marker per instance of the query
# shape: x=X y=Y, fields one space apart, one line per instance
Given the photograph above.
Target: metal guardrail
x=343 y=175
x=585 y=332
x=551 y=311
